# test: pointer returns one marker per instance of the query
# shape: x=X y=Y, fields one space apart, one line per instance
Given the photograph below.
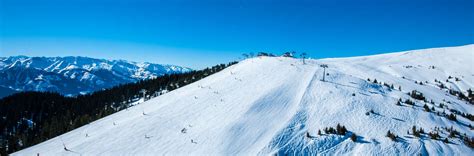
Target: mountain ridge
x=73 y=75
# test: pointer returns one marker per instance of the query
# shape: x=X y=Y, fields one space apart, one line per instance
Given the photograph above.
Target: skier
x=65 y=148
x=147 y=137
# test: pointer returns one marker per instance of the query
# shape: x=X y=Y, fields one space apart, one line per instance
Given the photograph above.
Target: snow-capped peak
x=72 y=75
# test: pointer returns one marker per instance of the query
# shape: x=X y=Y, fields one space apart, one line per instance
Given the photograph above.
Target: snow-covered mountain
x=269 y=105
x=75 y=75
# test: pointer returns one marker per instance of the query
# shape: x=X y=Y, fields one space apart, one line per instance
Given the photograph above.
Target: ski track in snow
x=265 y=105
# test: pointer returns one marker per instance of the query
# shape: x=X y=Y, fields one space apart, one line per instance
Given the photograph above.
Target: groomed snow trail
x=267 y=105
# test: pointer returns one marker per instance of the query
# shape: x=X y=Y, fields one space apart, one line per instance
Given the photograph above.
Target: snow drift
x=269 y=105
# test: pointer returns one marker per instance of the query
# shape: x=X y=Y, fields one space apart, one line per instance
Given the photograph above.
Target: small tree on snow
x=354 y=137
x=392 y=136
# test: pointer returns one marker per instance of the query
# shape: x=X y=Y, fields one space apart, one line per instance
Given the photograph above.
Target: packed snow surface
x=269 y=105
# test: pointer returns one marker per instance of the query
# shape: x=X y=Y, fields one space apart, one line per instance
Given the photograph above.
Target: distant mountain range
x=74 y=75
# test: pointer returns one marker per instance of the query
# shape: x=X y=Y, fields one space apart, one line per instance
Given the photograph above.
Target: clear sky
x=200 y=33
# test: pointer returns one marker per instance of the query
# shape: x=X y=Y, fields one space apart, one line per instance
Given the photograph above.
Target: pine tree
x=434 y=135
x=415 y=132
x=341 y=130
x=353 y=137
x=426 y=108
x=469 y=141
x=446 y=140
x=452 y=117
x=392 y=136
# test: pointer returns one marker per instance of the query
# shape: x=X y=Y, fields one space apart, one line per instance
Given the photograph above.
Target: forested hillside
x=29 y=118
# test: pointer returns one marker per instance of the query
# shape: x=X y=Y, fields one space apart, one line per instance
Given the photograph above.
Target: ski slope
x=267 y=105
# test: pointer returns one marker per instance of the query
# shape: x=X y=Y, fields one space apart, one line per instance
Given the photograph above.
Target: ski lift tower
x=324 y=66
x=143 y=91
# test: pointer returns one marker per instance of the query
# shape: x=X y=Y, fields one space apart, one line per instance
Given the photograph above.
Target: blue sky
x=206 y=32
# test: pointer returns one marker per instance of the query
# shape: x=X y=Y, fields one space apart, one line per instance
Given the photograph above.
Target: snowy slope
x=267 y=105
x=75 y=75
